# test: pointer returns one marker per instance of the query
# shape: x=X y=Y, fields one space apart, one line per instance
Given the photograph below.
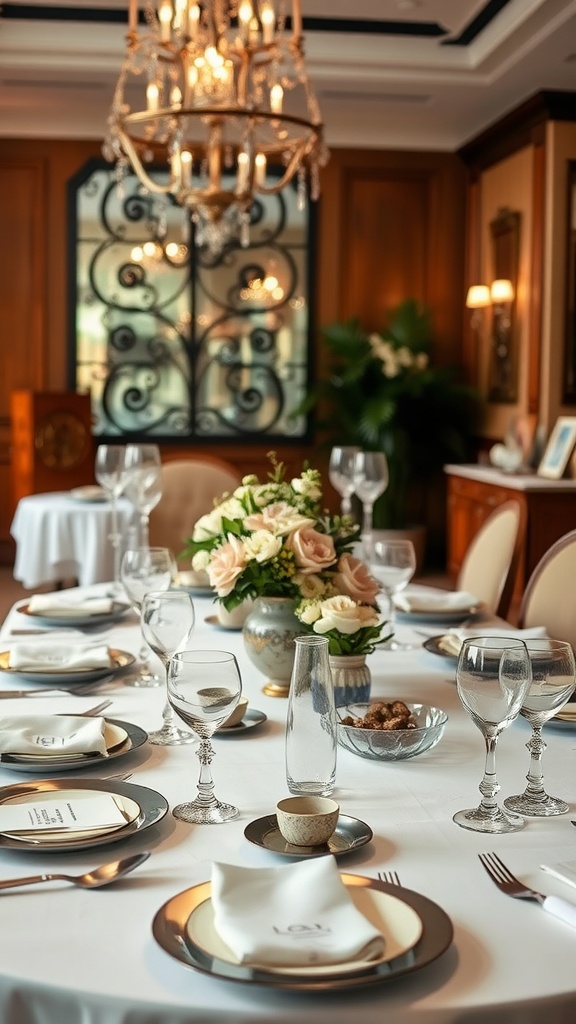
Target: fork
x=74 y=691
x=391 y=877
x=512 y=886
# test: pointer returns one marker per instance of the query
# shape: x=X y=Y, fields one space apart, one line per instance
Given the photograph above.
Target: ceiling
x=401 y=74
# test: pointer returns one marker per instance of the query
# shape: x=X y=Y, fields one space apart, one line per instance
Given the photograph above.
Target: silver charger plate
x=118 y=611
x=251 y=719
x=135 y=738
x=350 y=834
x=52 y=676
x=153 y=807
x=169 y=929
x=432 y=645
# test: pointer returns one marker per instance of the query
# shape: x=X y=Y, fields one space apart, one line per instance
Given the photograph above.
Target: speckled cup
x=237 y=715
x=307 y=820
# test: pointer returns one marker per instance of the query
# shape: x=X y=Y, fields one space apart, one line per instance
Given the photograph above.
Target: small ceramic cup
x=307 y=820
x=237 y=715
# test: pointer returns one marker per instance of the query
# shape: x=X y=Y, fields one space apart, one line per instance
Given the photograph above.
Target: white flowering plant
x=273 y=539
x=383 y=392
x=350 y=626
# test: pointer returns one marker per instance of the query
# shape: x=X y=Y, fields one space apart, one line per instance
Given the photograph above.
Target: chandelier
x=215 y=94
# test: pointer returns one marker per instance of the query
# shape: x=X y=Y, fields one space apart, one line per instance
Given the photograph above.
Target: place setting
x=448 y=645
x=63 y=609
x=52 y=815
x=419 y=603
x=303 y=926
x=46 y=660
x=59 y=743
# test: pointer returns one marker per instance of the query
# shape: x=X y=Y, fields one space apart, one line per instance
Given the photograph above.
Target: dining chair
x=190 y=487
x=550 y=595
x=491 y=562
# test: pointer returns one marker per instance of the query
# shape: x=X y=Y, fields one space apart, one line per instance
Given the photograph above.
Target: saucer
x=350 y=834
x=251 y=719
x=432 y=644
x=213 y=620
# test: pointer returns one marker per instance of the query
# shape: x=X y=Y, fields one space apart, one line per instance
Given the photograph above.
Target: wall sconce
x=499 y=295
x=477 y=298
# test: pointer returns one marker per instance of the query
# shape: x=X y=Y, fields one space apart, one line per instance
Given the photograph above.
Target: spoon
x=103 y=875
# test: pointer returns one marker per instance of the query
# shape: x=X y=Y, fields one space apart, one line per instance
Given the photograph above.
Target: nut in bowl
x=237 y=715
x=307 y=820
x=419 y=730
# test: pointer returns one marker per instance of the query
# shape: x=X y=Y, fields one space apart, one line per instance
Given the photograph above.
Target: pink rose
x=313 y=551
x=353 y=579
x=226 y=564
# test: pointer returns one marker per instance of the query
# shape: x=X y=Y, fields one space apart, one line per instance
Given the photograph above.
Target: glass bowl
x=392 y=744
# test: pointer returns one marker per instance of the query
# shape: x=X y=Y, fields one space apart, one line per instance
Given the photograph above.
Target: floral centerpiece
x=273 y=539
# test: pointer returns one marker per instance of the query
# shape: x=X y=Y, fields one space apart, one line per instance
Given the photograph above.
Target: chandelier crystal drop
x=216 y=94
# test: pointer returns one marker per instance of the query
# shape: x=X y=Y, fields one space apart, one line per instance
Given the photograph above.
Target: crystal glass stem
x=115 y=542
x=144 y=521
x=489 y=787
x=169 y=734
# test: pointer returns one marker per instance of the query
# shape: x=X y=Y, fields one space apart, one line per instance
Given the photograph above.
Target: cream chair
x=189 y=488
x=491 y=561
x=550 y=595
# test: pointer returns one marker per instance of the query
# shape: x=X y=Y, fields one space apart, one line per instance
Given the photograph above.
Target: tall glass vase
x=269 y=631
x=311 y=722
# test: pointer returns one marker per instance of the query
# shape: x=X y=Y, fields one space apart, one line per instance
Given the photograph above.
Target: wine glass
x=341 y=474
x=204 y=688
x=393 y=564
x=553 y=671
x=143 y=570
x=370 y=481
x=167 y=621
x=143 y=485
x=493 y=677
x=111 y=474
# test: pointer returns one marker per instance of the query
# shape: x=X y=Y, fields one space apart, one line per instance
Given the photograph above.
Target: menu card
x=62 y=814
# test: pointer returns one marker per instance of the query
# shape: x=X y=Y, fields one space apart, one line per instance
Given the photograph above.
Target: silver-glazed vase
x=269 y=632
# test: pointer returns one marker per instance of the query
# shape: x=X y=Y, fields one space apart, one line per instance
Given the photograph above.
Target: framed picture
x=559 y=448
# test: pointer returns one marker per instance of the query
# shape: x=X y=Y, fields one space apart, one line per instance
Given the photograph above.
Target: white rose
x=310 y=586
x=308 y=485
x=309 y=612
x=208 y=526
x=262 y=546
x=200 y=561
x=344 y=615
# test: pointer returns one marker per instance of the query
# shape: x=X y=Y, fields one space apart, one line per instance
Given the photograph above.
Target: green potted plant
x=383 y=392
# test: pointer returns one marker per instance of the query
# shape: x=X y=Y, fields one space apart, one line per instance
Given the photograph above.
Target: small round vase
x=351 y=679
x=269 y=632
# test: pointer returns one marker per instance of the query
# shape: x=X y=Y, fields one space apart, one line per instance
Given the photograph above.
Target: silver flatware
x=104 y=875
x=512 y=886
x=48 y=691
x=391 y=877
x=95 y=711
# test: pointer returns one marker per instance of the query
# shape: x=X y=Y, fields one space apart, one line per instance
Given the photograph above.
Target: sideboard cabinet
x=475 y=491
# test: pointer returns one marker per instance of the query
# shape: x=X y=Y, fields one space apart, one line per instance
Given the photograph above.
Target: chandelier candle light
x=218 y=94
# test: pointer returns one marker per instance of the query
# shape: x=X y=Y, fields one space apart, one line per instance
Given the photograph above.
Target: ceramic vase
x=351 y=679
x=269 y=632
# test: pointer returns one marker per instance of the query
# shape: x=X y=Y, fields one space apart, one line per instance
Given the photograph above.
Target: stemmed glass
x=493 y=677
x=111 y=474
x=393 y=564
x=167 y=622
x=341 y=474
x=143 y=570
x=553 y=671
x=143 y=485
x=204 y=688
x=370 y=481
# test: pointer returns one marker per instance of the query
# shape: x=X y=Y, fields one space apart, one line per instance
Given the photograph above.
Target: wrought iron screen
x=175 y=342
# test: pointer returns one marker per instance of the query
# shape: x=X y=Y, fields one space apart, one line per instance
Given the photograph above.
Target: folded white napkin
x=452 y=642
x=51 y=735
x=296 y=915
x=56 y=604
x=54 y=656
x=435 y=600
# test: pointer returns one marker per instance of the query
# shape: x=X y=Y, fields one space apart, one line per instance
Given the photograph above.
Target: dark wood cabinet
x=475 y=491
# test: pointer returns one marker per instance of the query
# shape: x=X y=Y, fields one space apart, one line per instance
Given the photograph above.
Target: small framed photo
x=559 y=448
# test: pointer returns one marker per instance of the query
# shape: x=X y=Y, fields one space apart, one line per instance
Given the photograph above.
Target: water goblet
x=393 y=564
x=341 y=474
x=493 y=677
x=111 y=474
x=142 y=570
x=167 y=622
x=143 y=484
x=204 y=688
x=370 y=481
x=553 y=671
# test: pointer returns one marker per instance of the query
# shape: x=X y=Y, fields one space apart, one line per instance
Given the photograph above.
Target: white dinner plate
x=90 y=493
x=130 y=810
x=150 y=808
x=174 y=921
x=121 y=738
x=118 y=611
x=118 y=661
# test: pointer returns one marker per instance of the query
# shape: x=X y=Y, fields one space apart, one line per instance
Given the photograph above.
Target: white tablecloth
x=69 y=956
x=60 y=538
